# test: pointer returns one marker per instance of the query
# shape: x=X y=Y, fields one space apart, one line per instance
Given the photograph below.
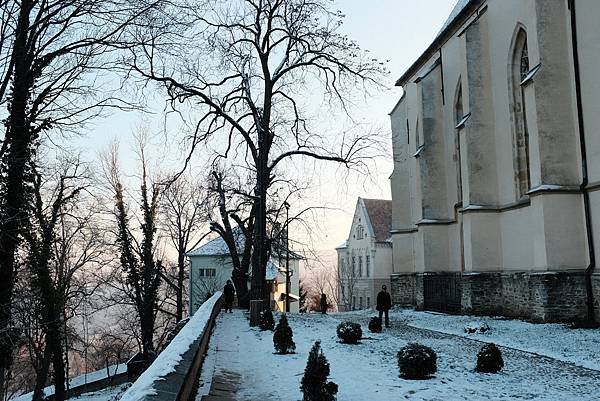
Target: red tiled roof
x=380 y=214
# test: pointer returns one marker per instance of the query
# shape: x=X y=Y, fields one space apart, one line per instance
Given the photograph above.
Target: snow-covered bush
x=283 y=337
x=265 y=320
x=477 y=327
x=489 y=359
x=349 y=332
x=375 y=325
x=417 y=362
x=314 y=384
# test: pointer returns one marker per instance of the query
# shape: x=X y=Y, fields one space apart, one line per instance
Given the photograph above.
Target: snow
x=547 y=187
x=460 y=5
x=369 y=371
x=579 y=347
x=170 y=357
x=107 y=394
x=81 y=380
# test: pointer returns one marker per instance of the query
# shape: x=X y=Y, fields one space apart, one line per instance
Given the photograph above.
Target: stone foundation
x=540 y=297
x=402 y=289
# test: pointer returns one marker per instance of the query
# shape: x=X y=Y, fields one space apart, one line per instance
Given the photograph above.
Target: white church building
x=496 y=140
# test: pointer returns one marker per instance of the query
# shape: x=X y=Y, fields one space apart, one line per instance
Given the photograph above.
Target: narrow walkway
x=241 y=366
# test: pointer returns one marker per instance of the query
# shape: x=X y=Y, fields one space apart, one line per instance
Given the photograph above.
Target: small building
x=365 y=258
x=211 y=267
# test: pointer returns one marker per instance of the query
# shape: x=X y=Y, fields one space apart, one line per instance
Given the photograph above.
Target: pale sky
x=395 y=30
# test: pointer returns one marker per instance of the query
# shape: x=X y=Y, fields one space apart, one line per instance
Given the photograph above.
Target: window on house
x=520 y=71
x=207 y=272
x=368 y=266
x=353 y=303
x=368 y=302
x=354 y=273
x=360 y=266
x=360 y=303
x=360 y=232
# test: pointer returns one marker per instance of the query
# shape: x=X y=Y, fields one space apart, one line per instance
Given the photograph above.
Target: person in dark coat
x=384 y=303
x=229 y=292
x=323 y=303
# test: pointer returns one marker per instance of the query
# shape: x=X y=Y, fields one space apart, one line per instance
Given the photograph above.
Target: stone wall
x=539 y=297
x=402 y=289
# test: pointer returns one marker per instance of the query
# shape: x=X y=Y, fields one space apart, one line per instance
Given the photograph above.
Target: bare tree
x=141 y=268
x=256 y=63
x=347 y=279
x=51 y=55
x=184 y=221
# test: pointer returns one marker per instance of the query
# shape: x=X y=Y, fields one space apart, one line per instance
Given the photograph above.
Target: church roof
x=461 y=11
x=380 y=216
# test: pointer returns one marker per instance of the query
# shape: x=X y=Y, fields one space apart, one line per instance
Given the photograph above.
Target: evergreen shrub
x=349 y=332
x=283 y=337
x=417 y=362
x=314 y=384
x=489 y=359
x=266 y=321
x=375 y=325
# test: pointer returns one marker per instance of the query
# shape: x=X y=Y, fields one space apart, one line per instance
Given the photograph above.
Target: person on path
x=384 y=303
x=229 y=292
x=323 y=303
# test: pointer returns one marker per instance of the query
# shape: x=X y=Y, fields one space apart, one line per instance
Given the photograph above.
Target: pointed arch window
x=520 y=69
x=459 y=120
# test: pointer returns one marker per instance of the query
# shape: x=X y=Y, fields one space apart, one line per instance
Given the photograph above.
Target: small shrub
x=314 y=384
x=266 y=321
x=489 y=359
x=283 y=337
x=349 y=332
x=375 y=325
x=417 y=362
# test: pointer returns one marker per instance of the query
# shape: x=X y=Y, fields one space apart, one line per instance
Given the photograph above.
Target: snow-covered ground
x=108 y=394
x=581 y=347
x=369 y=371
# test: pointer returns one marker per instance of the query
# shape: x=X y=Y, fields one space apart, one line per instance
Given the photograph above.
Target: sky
x=394 y=30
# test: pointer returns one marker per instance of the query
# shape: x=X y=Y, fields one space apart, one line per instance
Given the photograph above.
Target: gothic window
x=459 y=119
x=360 y=232
x=367 y=266
x=519 y=71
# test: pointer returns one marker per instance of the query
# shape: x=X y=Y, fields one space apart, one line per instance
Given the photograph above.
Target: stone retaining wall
x=540 y=297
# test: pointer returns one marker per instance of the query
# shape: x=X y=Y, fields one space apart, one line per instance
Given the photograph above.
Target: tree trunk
x=54 y=338
x=260 y=255
x=18 y=137
x=240 y=282
x=41 y=375
x=180 y=280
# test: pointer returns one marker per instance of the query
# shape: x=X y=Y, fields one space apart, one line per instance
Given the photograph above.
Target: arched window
x=459 y=117
x=519 y=69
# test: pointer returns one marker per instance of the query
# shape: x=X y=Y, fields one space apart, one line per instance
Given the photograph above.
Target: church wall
x=510 y=245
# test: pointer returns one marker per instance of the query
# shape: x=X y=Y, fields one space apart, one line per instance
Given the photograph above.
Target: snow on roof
x=218 y=247
x=169 y=358
x=342 y=245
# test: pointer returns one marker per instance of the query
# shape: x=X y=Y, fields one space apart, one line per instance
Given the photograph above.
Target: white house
x=496 y=182
x=211 y=267
x=365 y=258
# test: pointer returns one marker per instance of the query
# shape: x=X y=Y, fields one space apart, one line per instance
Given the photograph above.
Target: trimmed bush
x=266 y=321
x=283 y=337
x=489 y=359
x=314 y=384
x=349 y=332
x=417 y=362
x=375 y=325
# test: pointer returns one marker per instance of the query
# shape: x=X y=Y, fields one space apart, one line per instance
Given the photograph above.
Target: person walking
x=323 y=303
x=229 y=292
x=384 y=303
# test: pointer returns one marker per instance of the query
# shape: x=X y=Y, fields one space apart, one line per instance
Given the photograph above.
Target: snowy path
x=369 y=371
